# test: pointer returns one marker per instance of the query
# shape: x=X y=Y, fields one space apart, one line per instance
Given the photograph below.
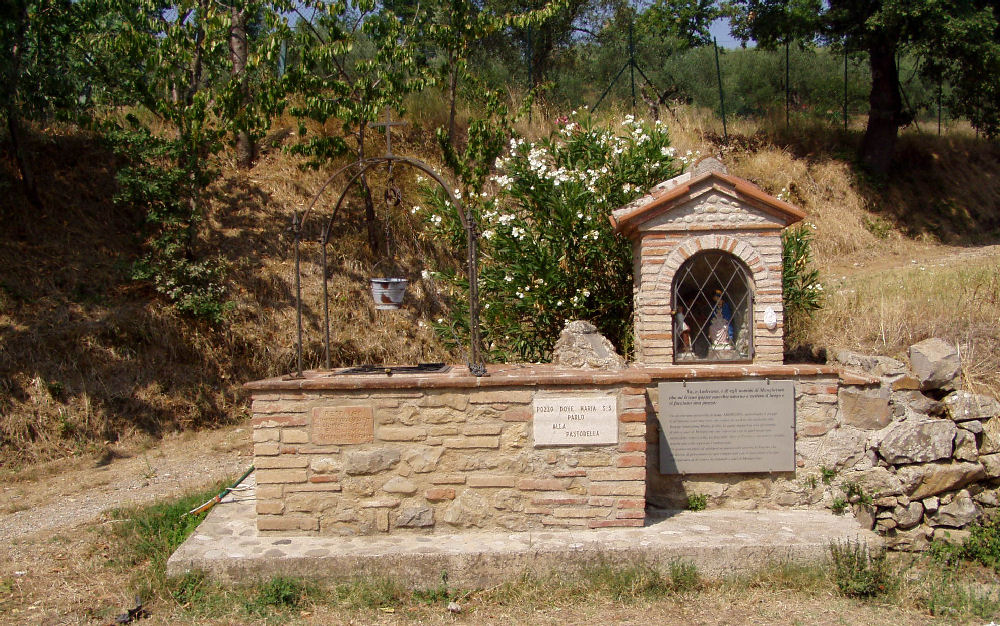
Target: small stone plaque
x=576 y=421
x=342 y=424
x=724 y=427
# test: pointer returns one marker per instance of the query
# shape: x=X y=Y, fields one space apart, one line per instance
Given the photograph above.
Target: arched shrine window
x=712 y=305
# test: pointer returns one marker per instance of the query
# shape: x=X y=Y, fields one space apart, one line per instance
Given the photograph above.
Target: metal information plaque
x=576 y=421
x=342 y=425
x=724 y=427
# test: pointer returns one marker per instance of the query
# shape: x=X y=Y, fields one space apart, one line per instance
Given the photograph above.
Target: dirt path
x=49 y=499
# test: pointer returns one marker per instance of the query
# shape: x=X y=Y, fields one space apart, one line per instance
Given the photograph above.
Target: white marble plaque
x=576 y=421
x=723 y=427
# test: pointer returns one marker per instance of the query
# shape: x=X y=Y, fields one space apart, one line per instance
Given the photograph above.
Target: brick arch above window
x=724 y=243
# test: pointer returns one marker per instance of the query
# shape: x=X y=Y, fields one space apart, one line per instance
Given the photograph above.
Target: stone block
x=991 y=464
x=490 y=480
x=876 y=482
x=624 y=488
x=952 y=536
x=385 y=502
x=469 y=509
x=916 y=540
x=963 y=406
x=861 y=408
x=415 y=517
x=266 y=449
x=472 y=442
x=287 y=522
x=990 y=443
x=594 y=459
x=543 y=484
x=958 y=513
x=437 y=494
x=278 y=421
x=455 y=401
x=294 y=435
x=908 y=516
x=505 y=396
x=269 y=492
x=304 y=502
x=284 y=461
x=324 y=465
x=935 y=363
x=633 y=460
x=398 y=484
x=371 y=461
x=329 y=487
x=448 y=479
x=261 y=435
x=631 y=473
x=281 y=476
x=917 y=441
x=422 y=459
x=482 y=429
x=401 y=433
x=616 y=523
x=965 y=446
x=270 y=507
x=573 y=512
x=921 y=481
x=632 y=446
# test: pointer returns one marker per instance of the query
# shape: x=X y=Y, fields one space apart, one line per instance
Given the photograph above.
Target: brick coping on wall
x=532 y=375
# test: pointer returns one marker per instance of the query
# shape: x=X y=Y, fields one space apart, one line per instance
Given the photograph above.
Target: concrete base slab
x=227 y=546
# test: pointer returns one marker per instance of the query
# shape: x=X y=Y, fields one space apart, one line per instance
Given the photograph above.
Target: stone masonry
x=442 y=459
x=704 y=210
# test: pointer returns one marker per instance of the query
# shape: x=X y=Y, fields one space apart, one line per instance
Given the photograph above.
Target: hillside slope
x=87 y=356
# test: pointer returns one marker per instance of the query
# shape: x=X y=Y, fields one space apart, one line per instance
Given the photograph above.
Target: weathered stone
x=468 y=509
x=398 y=484
x=903 y=382
x=991 y=463
x=918 y=403
x=987 y=498
x=885 y=524
x=423 y=459
x=963 y=406
x=917 y=441
x=961 y=512
x=951 y=535
x=856 y=360
x=908 y=516
x=990 y=443
x=973 y=426
x=934 y=478
x=877 y=481
x=931 y=504
x=865 y=516
x=415 y=517
x=864 y=408
x=813 y=418
x=965 y=446
x=916 y=540
x=581 y=345
x=935 y=363
x=370 y=461
x=324 y=465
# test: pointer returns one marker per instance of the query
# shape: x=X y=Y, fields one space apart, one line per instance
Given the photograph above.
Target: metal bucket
x=388 y=292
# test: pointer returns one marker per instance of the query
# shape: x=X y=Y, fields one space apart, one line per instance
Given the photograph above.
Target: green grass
x=862 y=573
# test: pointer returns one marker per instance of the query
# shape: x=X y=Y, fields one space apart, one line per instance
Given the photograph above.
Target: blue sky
x=720 y=30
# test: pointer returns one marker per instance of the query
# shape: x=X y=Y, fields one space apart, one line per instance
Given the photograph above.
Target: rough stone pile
x=581 y=345
x=930 y=464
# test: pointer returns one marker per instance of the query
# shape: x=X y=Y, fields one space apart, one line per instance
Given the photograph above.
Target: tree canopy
x=952 y=38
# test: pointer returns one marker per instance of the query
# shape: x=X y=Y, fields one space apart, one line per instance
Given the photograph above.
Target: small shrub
x=628 y=583
x=684 y=577
x=827 y=474
x=280 y=592
x=855 y=491
x=697 y=502
x=839 y=505
x=860 y=573
x=983 y=543
x=947 y=595
x=800 y=281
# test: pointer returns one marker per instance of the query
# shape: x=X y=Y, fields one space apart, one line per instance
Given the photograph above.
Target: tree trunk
x=17 y=147
x=452 y=97
x=885 y=114
x=238 y=51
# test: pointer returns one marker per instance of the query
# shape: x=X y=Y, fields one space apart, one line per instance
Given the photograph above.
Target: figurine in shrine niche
x=720 y=328
x=682 y=330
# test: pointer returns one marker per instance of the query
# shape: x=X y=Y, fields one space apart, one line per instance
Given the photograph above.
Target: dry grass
x=886 y=312
x=87 y=356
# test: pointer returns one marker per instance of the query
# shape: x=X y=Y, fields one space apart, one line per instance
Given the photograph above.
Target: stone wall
x=442 y=460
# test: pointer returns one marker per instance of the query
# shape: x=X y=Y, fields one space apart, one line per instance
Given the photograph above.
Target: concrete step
x=227 y=546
